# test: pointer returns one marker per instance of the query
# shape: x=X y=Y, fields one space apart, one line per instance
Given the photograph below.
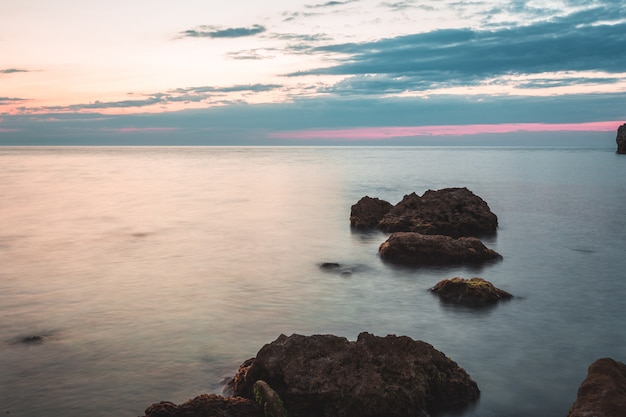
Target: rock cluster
x=603 y=392
x=452 y=212
x=621 y=139
x=473 y=292
x=417 y=249
x=438 y=228
x=329 y=376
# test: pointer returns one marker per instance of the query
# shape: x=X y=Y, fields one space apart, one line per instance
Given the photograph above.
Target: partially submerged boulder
x=621 y=139
x=473 y=292
x=603 y=392
x=329 y=376
x=207 y=405
x=418 y=249
x=453 y=212
x=368 y=211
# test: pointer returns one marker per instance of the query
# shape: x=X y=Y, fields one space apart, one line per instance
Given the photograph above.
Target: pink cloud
x=446 y=130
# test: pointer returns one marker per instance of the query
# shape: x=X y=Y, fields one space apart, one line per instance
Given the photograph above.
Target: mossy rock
x=268 y=398
x=474 y=291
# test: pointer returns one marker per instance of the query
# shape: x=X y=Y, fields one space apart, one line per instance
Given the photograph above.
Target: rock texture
x=603 y=392
x=207 y=405
x=473 y=292
x=621 y=139
x=368 y=211
x=453 y=212
x=329 y=376
x=418 y=249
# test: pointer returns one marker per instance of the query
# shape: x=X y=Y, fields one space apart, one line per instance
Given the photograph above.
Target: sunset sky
x=242 y=72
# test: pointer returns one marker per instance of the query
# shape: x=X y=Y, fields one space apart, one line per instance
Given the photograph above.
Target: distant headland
x=621 y=139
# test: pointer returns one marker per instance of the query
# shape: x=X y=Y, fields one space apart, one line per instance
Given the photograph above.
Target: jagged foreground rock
x=329 y=376
x=603 y=392
x=418 y=249
x=474 y=292
x=452 y=212
x=207 y=405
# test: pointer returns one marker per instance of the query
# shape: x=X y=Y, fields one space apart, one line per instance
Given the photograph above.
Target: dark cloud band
x=224 y=33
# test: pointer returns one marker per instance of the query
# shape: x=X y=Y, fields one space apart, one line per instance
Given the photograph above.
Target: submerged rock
x=368 y=211
x=329 y=376
x=621 y=139
x=474 y=292
x=341 y=269
x=603 y=392
x=34 y=340
x=452 y=212
x=417 y=249
x=207 y=405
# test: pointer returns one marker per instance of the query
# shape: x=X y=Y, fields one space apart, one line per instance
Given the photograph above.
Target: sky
x=244 y=72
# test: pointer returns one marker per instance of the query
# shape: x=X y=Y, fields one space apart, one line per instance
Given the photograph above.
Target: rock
x=368 y=211
x=603 y=392
x=34 y=340
x=207 y=405
x=621 y=139
x=417 y=249
x=340 y=269
x=452 y=212
x=268 y=399
x=329 y=376
x=474 y=292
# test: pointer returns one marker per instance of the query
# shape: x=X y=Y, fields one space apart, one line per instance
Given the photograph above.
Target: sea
x=133 y=275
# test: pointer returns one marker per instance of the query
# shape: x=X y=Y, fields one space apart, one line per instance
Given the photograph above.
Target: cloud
x=10 y=100
x=189 y=95
x=12 y=70
x=317 y=37
x=214 y=32
x=453 y=57
x=405 y=5
x=264 y=124
x=329 y=4
x=387 y=132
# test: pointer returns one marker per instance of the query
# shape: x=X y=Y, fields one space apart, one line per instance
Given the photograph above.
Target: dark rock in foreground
x=418 y=249
x=452 y=212
x=473 y=292
x=603 y=392
x=368 y=211
x=621 y=139
x=328 y=376
x=207 y=405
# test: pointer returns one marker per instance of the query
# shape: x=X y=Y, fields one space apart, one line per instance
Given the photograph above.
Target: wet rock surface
x=417 y=249
x=603 y=392
x=471 y=292
x=452 y=212
x=329 y=376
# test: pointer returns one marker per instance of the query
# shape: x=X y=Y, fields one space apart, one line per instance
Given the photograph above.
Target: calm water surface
x=154 y=272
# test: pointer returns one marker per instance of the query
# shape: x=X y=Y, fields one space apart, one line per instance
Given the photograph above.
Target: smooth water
x=153 y=273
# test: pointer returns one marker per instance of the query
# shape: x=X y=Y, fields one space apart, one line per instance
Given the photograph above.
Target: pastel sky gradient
x=197 y=72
